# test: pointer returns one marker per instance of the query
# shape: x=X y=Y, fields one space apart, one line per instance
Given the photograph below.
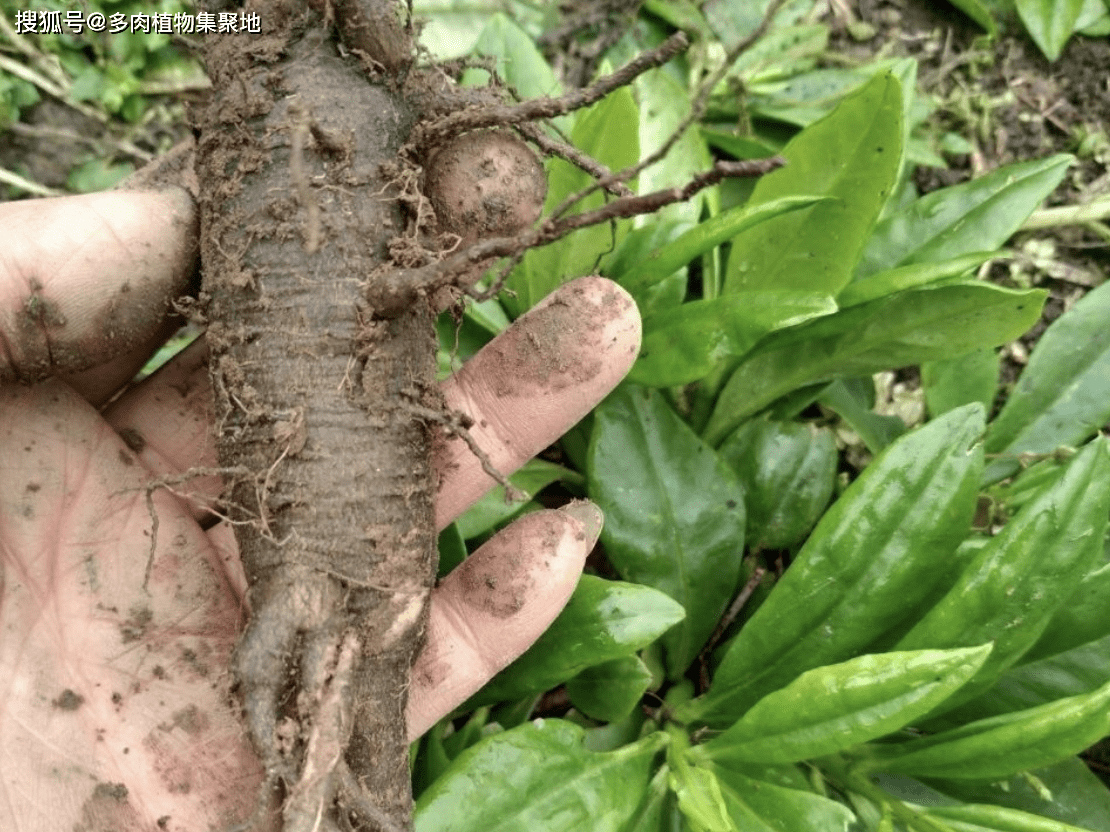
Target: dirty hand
x=121 y=602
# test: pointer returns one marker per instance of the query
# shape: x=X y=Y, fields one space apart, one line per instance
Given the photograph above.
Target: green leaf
x=1080 y=620
x=686 y=343
x=788 y=471
x=431 y=760
x=781 y=52
x=895 y=331
x=97 y=175
x=835 y=707
x=700 y=799
x=973 y=818
x=682 y=14
x=874 y=560
x=915 y=275
x=518 y=61
x=760 y=806
x=88 y=85
x=659 y=810
x=450 y=29
x=608 y=692
x=972 y=377
x=846 y=398
x=674 y=513
x=853 y=155
x=1063 y=395
x=488 y=315
x=538 y=776
x=972 y=217
x=603 y=620
x=1000 y=746
x=1049 y=22
x=452 y=549
x=807 y=97
x=606 y=131
x=979 y=13
x=665 y=104
x=739 y=147
x=1071 y=673
x=667 y=292
x=707 y=235
x=493 y=509
x=1011 y=589
x=1078 y=796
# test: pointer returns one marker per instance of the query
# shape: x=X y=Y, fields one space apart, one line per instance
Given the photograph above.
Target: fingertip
x=534 y=381
x=88 y=278
x=591 y=518
x=494 y=606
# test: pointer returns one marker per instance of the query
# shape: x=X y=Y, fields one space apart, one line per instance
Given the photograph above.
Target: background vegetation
x=854 y=570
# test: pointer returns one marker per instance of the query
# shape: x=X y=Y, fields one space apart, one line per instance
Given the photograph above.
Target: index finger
x=86 y=279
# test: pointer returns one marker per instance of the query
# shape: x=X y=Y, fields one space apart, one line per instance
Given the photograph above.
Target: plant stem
x=1095 y=211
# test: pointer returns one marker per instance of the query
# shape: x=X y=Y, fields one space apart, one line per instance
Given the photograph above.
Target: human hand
x=117 y=711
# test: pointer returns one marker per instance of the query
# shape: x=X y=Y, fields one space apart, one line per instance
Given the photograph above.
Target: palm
x=119 y=607
x=117 y=709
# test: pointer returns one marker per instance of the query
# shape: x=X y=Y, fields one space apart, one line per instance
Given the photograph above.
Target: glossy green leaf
x=913 y=276
x=1078 y=796
x=665 y=104
x=788 y=471
x=682 y=14
x=538 y=776
x=853 y=400
x=875 y=557
x=972 y=377
x=1011 y=589
x=739 y=147
x=518 y=61
x=670 y=290
x=976 y=216
x=674 y=513
x=493 y=509
x=1049 y=22
x=781 y=52
x=606 y=131
x=978 y=12
x=853 y=155
x=757 y=805
x=452 y=549
x=659 y=810
x=700 y=799
x=1003 y=745
x=807 y=97
x=707 y=235
x=686 y=343
x=487 y=314
x=835 y=707
x=986 y=818
x=1071 y=673
x=896 y=331
x=732 y=20
x=1079 y=620
x=472 y=731
x=608 y=692
x=603 y=620
x=1063 y=395
x=450 y=29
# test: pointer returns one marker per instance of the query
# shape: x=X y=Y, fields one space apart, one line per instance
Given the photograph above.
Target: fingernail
x=589 y=515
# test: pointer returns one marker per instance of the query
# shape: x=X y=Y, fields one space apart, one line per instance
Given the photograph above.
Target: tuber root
x=486 y=183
